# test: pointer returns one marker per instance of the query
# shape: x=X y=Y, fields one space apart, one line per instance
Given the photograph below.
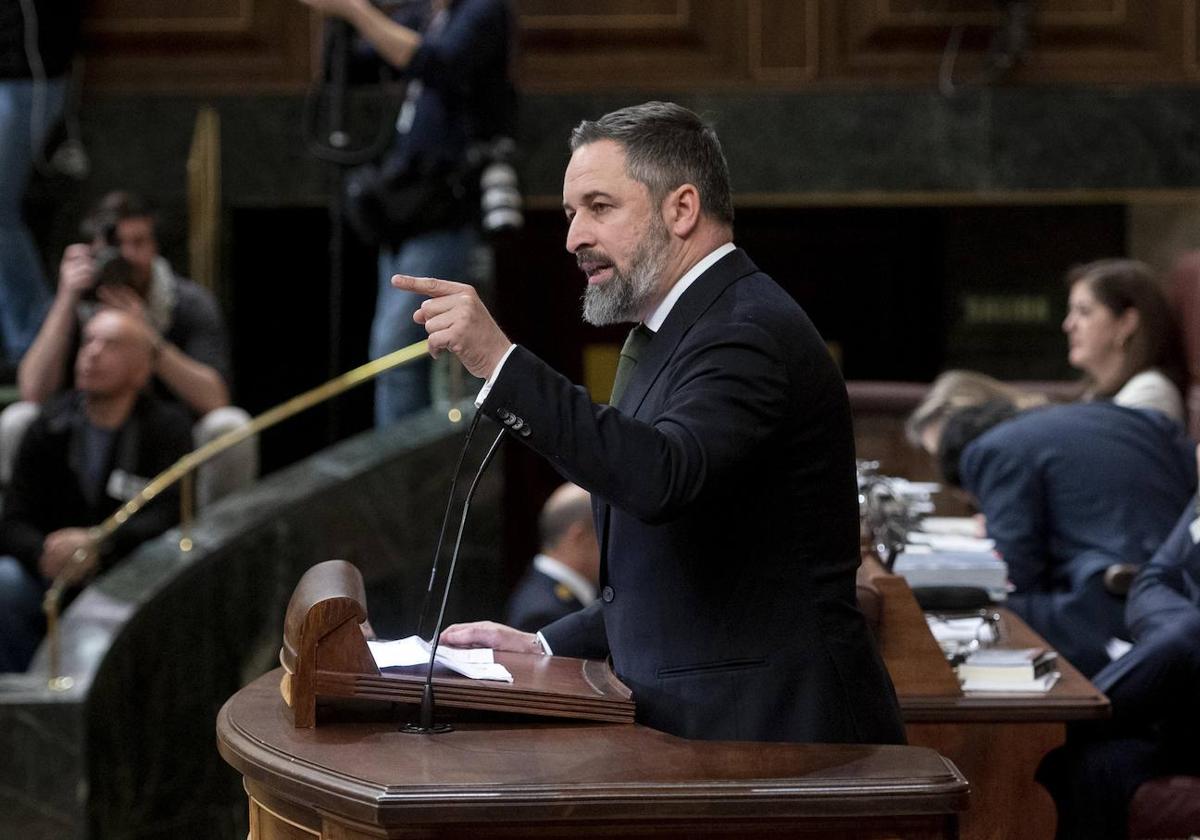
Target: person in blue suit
x=1155 y=694
x=1069 y=491
x=722 y=471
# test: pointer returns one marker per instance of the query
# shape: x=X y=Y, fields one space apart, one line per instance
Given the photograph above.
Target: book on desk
x=1009 y=669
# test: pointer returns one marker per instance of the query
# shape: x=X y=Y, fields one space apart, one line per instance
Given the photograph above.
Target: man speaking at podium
x=723 y=471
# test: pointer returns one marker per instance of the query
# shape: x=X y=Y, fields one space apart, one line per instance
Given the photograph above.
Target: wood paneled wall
x=235 y=46
x=219 y=46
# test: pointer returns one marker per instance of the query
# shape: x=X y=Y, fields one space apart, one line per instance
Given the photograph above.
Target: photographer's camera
x=111 y=269
x=500 y=201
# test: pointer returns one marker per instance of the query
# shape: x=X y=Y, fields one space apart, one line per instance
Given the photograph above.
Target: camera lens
x=500 y=199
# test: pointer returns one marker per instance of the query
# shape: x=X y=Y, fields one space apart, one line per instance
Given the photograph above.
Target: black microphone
x=425 y=724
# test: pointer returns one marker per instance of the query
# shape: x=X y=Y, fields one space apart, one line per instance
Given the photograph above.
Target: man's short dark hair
x=666 y=146
x=114 y=207
x=962 y=427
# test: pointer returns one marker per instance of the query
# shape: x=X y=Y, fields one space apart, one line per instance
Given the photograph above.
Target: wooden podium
x=501 y=775
x=354 y=779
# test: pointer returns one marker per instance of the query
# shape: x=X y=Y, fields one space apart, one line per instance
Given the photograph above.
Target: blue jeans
x=24 y=294
x=445 y=254
x=22 y=622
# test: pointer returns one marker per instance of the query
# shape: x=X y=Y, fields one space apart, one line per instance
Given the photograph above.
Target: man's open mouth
x=597 y=271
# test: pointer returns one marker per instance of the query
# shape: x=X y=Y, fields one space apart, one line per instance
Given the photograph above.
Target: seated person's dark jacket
x=538 y=600
x=1167 y=589
x=45 y=494
x=1155 y=688
x=1155 y=693
x=1067 y=491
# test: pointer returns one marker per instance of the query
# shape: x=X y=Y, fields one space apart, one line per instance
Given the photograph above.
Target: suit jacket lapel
x=690 y=306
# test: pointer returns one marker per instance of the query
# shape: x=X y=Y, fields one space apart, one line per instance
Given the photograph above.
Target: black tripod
x=328 y=137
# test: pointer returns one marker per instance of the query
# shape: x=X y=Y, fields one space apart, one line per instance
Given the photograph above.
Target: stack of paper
x=960 y=526
x=924 y=566
x=1009 y=669
x=950 y=542
x=476 y=663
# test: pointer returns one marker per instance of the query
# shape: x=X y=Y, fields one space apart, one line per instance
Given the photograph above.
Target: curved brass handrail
x=84 y=559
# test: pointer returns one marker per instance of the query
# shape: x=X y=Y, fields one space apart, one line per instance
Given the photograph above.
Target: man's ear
x=681 y=210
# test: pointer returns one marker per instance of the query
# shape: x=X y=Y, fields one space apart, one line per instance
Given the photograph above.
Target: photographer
x=455 y=55
x=121 y=268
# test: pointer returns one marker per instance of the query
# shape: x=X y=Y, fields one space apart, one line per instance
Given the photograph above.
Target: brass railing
x=83 y=561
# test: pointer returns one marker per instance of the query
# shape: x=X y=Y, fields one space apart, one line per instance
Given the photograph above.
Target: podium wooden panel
x=325 y=656
x=362 y=778
x=997 y=740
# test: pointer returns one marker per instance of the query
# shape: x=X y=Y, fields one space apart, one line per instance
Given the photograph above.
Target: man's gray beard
x=623 y=298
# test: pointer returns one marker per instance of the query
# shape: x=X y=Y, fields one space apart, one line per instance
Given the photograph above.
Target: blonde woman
x=957 y=389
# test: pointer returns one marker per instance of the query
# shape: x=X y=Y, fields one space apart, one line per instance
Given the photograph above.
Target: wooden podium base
x=355 y=779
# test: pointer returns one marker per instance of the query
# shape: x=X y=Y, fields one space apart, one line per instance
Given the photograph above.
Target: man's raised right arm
x=42 y=371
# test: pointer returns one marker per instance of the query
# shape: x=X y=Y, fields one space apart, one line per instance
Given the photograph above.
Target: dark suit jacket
x=1154 y=690
x=1067 y=491
x=728 y=520
x=537 y=600
x=1162 y=671
x=1167 y=589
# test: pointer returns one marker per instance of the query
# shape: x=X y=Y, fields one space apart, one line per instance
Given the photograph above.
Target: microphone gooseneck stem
x=427 y=701
x=437 y=552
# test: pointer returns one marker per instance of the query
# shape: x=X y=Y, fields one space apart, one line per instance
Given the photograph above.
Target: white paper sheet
x=950 y=542
x=963 y=526
x=475 y=663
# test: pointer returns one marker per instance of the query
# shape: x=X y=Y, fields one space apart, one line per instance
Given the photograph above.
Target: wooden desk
x=363 y=779
x=997 y=740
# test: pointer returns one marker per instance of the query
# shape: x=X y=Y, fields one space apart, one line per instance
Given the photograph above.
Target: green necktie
x=638 y=338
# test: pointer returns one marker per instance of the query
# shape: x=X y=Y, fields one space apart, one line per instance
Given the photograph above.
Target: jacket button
x=606 y=594
x=504 y=414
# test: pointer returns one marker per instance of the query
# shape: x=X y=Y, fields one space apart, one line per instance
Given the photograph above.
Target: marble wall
x=1002 y=139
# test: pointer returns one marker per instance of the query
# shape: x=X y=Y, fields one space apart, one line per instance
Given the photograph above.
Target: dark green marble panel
x=1007 y=138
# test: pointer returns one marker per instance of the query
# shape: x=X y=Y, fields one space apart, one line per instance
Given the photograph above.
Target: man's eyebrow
x=588 y=198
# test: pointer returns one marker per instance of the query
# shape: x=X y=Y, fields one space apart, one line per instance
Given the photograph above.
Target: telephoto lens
x=500 y=193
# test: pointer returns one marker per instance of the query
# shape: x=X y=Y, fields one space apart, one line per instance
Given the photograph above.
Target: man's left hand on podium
x=490 y=634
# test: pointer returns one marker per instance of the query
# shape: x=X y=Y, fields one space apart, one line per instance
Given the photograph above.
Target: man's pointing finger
x=427 y=285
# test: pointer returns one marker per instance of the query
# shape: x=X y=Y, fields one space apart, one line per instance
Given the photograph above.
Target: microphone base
x=432 y=729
